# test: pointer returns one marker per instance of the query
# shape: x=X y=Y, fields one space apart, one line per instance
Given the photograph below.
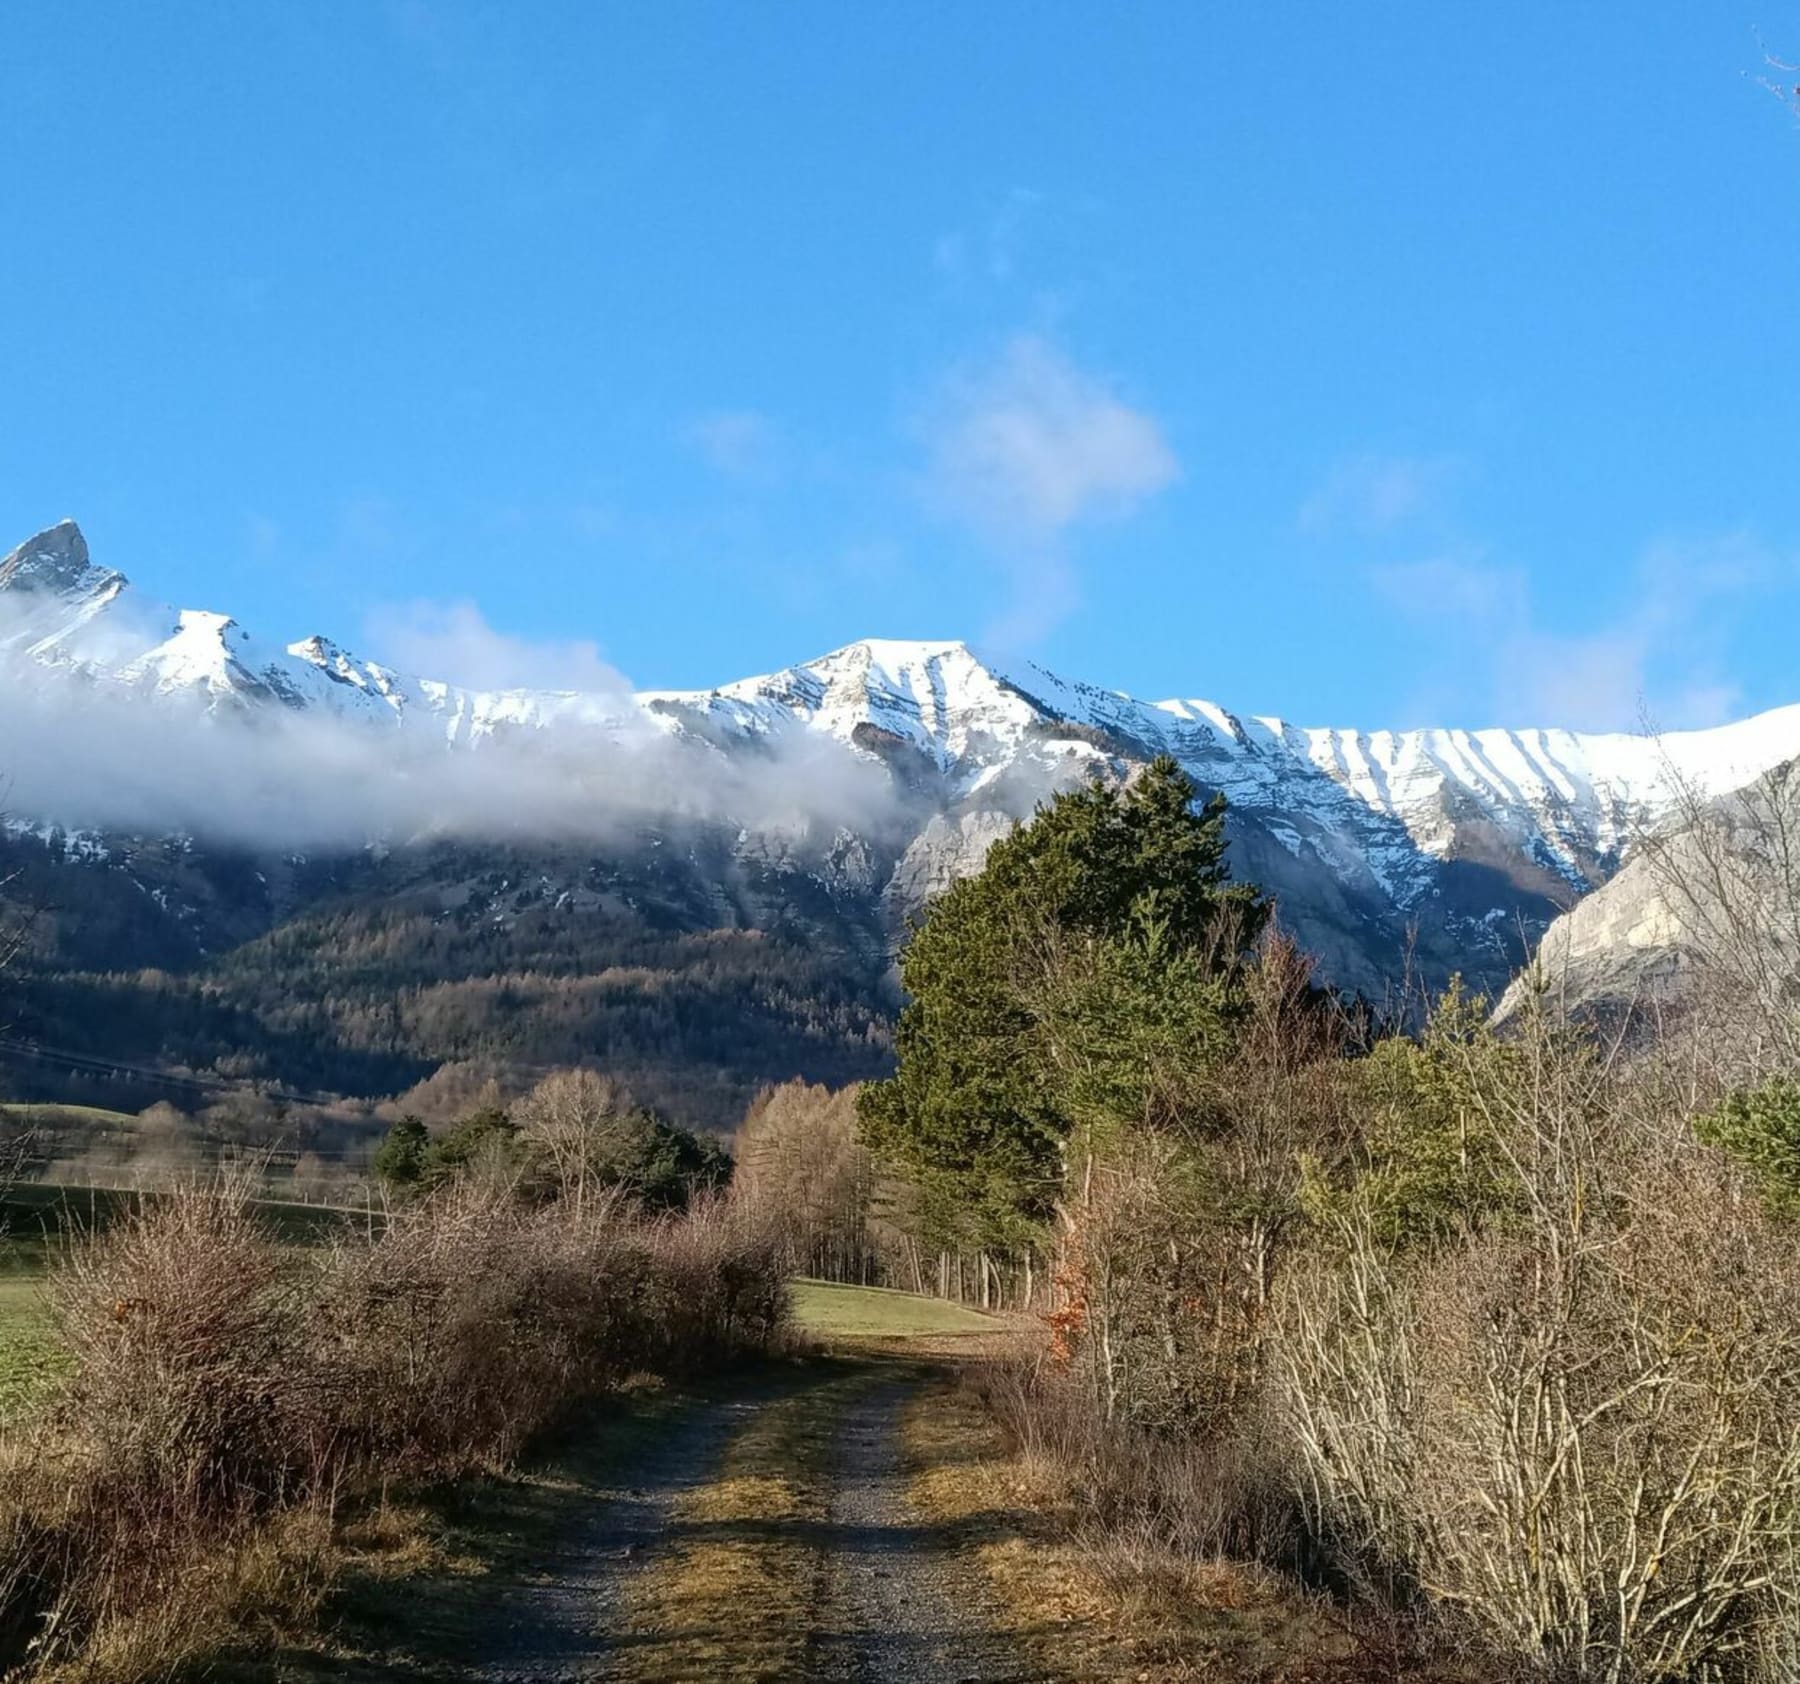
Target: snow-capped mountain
x=1455 y=847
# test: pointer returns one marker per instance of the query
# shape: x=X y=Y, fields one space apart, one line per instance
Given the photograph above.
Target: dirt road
x=856 y=1518
x=765 y=1537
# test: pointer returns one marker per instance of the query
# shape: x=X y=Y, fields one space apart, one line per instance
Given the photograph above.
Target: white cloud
x=452 y=641
x=1372 y=493
x=738 y=443
x=991 y=253
x=1023 y=449
x=1659 y=657
x=1452 y=587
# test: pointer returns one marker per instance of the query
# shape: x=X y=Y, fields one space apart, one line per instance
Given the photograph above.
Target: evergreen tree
x=1760 y=1127
x=1429 y=1167
x=486 y=1142
x=399 y=1161
x=1125 y=891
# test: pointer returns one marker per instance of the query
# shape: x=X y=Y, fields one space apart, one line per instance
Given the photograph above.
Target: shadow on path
x=899 y=1606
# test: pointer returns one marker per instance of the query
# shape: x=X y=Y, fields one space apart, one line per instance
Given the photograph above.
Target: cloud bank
x=454 y=637
x=94 y=755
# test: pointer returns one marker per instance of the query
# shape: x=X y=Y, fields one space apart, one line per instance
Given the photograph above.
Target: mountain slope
x=1704 y=917
x=1438 y=850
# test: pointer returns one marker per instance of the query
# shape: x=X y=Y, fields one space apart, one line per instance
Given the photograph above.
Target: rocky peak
x=55 y=562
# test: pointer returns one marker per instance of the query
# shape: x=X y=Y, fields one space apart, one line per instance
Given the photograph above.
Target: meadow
x=830 y=1310
x=30 y=1358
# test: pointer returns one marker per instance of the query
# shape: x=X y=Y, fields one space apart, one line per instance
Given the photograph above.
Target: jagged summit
x=55 y=561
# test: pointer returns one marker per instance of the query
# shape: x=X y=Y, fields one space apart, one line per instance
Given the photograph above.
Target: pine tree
x=399 y=1161
x=1111 y=886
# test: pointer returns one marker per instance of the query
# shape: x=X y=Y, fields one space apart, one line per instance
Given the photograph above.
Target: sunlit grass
x=30 y=1357
x=828 y=1310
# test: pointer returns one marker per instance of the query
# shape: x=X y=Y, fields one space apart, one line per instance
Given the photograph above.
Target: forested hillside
x=360 y=975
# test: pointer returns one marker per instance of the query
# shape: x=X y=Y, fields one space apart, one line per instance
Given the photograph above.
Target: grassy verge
x=1093 y=1606
x=828 y=1310
x=31 y=1360
x=731 y=1596
x=30 y=1357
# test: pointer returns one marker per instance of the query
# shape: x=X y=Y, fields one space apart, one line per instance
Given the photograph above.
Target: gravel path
x=895 y=1606
x=552 y=1629
x=900 y=1608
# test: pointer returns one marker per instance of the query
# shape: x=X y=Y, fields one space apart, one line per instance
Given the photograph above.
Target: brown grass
x=1093 y=1600
x=732 y=1599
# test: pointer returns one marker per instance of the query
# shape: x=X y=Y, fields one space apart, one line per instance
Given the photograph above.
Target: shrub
x=1575 y=1430
x=1760 y=1128
x=226 y=1391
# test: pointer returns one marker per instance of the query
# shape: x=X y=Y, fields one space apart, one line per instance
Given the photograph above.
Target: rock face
x=55 y=561
x=1712 y=899
x=1619 y=949
x=1438 y=850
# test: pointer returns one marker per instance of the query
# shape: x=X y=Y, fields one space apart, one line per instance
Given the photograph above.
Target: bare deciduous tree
x=563 y=1116
x=802 y=1167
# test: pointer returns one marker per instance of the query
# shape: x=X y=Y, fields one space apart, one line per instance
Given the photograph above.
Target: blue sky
x=1366 y=364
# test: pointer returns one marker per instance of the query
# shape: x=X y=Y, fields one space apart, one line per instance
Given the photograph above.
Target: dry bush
x=404 y=1328
x=471 y=1321
x=226 y=1391
x=185 y=1423
x=717 y=1282
x=181 y=1325
x=1576 y=1426
x=1140 y=1492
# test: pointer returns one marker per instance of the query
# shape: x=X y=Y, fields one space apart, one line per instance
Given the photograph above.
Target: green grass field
x=827 y=1310
x=37 y=1209
x=30 y=1358
x=34 y=1219
x=45 y=1113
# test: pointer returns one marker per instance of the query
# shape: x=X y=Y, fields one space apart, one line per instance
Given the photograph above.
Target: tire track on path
x=900 y=1607
x=554 y=1628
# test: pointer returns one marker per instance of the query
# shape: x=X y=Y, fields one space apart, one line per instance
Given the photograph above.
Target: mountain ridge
x=1454 y=845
